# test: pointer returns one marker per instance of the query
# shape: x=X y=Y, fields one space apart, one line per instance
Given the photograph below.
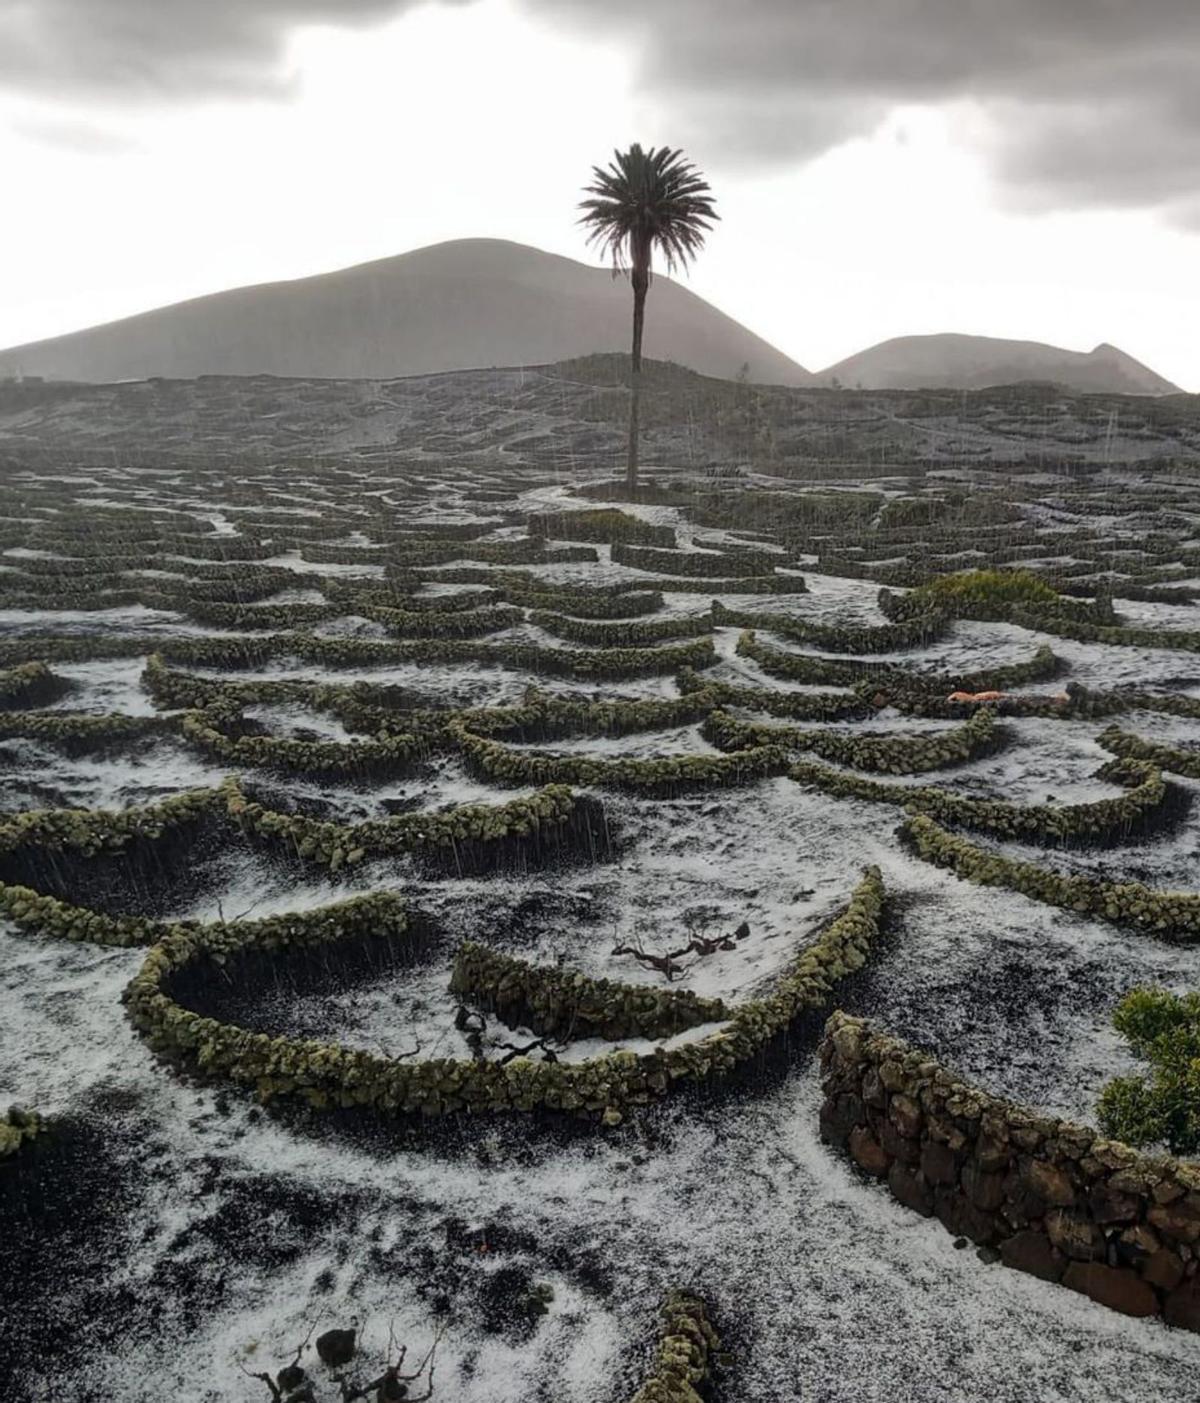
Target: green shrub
x=1162 y=1104
x=961 y=593
x=17 y=1128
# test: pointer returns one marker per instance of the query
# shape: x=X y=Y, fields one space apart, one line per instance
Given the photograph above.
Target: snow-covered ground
x=200 y=1234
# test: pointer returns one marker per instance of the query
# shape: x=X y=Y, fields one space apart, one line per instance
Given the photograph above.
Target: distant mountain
x=955 y=362
x=461 y=305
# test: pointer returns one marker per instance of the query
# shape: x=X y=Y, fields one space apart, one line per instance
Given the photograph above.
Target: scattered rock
x=1119 y=1288
x=867 y=1152
x=985 y=1190
x=960 y=1216
x=1182 y=1306
x=539 y=1298
x=897 y=1147
x=1179 y=1220
x=1033 y=1252
x=1109 y=1206
x=1076 y=1235
x=1135 y=1244
x=911 y=1190
x=336 y=1347
x=290 y=1377
x=905 y=1115
x=938 y=1163
x=1163 y=1269
x=1051 y=1184
x=991 y=1155
x=390 y=1389
x=839 y=1116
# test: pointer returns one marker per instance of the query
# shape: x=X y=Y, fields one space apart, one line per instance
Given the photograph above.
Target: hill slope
x=957 y=362
x=454 y=306
x=572 y=420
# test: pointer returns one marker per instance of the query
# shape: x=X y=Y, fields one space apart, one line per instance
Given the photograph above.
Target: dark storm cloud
x=1086 y=101
x=135 y=49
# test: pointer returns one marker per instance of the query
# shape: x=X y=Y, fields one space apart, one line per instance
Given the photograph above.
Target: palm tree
x=646 y=200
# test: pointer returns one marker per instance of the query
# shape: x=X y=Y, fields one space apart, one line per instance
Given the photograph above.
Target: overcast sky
x=1009 y=167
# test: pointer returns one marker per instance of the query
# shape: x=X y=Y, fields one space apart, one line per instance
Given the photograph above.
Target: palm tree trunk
x=641 y=282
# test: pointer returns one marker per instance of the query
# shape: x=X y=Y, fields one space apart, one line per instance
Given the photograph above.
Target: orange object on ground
x=976 y=696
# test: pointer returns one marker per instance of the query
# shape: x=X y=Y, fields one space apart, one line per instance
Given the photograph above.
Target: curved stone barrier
x=915 y=632
x=220 y=731
x=82 y=732
x=503 y=764
x=555 y=1002
x=605 y=633
x=684 y=1355
x=328 y=1074
x=1167 y=757
x=1052 y=1198
x=895 y=753
x=30 y=684
x=1097 y=821
x=850 y=672
x=1168 y=914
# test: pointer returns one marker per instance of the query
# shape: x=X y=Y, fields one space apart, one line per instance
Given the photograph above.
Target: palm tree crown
x=646 y=199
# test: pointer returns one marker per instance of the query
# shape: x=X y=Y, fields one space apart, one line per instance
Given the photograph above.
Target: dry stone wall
x=1046 y=1196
